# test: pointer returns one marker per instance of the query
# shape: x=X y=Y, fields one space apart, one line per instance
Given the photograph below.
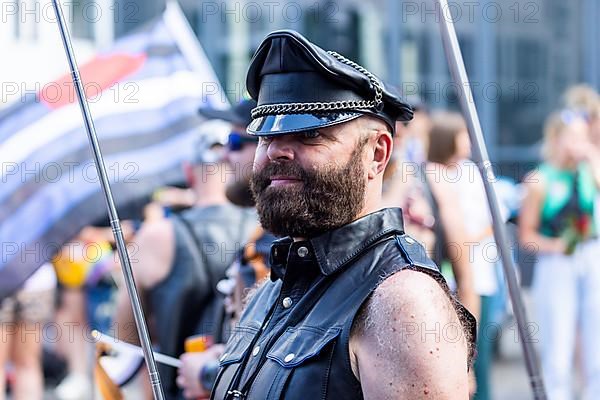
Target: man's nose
x=281 y=148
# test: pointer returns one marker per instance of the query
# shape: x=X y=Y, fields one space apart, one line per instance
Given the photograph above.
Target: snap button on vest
x=287 y=302
x=302 y=251
x=255 y=351
x=289 y=357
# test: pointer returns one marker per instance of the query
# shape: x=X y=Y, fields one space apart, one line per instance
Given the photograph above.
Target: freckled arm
x=409 y=343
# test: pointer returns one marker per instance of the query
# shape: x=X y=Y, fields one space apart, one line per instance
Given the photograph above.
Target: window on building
x=523 y=71
x=333 y=26
x=25 y=16
x=84 y=14
x=466 y=47
x=561 y=19
x=424 y=60
x=528 y=57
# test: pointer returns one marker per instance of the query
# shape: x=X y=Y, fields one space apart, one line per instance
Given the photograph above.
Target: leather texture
x=288 y=68
x=301 y=351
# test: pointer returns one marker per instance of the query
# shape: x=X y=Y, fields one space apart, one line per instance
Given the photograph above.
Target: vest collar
x=336 y=248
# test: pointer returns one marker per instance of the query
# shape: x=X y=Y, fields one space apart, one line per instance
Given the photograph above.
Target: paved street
x=509 y=375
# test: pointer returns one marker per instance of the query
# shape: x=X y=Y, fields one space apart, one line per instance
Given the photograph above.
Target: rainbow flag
x=143 y=95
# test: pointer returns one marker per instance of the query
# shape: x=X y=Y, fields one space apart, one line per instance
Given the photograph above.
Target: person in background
x=179 y=259
x=557 y=217
x=22 y=319
x=594 y=122
x=404 y=180
x=77 y=384
x=584 y=99
x=80 y=265
x=428 y=207
x=413 y=138
x=593 y=114
x=449 y=152
x=587 y=101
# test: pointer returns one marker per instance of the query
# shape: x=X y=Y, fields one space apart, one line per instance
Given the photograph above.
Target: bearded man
x=353 y=308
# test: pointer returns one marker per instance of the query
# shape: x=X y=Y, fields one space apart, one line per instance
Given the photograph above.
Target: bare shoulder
x=441 y=189
x=155 y=232
x=406 y=337
x=411 y=286
x=534 y=182
x=408 y=296
x=535 y=191
x=153 y=251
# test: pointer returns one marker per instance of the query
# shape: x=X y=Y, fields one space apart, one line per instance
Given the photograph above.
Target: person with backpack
x=178 y=260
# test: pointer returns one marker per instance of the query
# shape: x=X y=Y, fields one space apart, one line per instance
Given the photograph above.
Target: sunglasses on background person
x=236 y=141
x=568 y=116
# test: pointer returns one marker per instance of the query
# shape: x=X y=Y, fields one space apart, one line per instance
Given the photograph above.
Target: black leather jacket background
x=292 y=340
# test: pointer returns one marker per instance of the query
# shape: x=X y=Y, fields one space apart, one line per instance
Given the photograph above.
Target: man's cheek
x=260 y=160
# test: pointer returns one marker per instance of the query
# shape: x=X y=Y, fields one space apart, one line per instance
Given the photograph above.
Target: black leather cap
x=299 y=86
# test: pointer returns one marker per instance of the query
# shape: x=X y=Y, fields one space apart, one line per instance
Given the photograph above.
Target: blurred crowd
x=199 y=251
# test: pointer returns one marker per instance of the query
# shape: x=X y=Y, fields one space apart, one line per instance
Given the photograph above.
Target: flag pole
x=115 y=224
x=480 y=155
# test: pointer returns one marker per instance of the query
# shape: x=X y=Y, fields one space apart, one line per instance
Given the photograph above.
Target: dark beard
x=326 y=199
x=238 y=192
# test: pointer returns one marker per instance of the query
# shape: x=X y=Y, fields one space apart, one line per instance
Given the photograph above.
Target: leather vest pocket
x=238 y=344
x=298 y=344
x=298 y=365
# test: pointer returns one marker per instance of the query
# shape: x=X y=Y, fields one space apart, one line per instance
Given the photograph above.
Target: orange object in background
x=108 y=389
x=198 y=343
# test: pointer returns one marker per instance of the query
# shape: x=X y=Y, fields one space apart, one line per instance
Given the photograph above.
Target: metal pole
x=112 y=211
x=459 y=75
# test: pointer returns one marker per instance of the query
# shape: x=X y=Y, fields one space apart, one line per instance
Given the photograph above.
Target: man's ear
x=381 y=153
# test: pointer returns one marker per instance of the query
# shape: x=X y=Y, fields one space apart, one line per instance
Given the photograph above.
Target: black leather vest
x=292 y=341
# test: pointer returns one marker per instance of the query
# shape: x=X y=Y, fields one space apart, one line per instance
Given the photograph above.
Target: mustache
x=262 y=178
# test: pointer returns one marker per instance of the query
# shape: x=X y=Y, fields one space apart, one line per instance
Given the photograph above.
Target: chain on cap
x=303 y=108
